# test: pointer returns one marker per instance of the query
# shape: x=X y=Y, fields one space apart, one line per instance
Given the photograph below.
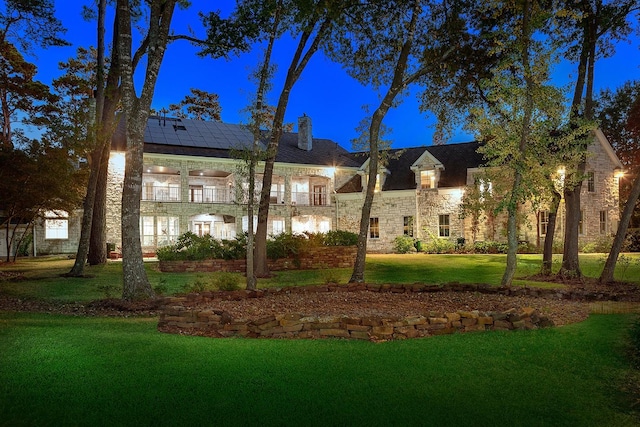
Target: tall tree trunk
x=512 y=207
x=547 y=252
x=98 y=240
x=298 y=63
x=627 y=213
x=398 y=83
x=135 y=282
x=95 y=157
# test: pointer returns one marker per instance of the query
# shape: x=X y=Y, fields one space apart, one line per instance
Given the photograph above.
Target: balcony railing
x=210 y=195
x=161 y=194
x=300 y=198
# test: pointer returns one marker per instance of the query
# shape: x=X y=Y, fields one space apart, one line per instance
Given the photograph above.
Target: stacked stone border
x=313 y=258
x=190 y=315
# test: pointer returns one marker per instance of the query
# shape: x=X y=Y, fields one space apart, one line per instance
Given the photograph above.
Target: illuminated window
x=374 y=228
x=427 y=179
x=147 y=230
x=408 y=226
x=167 y=230
x=277 y=226
x=543 y=221
x=56 y=225
x=377 y=188
x=443 y=226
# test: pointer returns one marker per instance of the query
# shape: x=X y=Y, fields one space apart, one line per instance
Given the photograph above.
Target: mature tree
x=136 y=111
x=312 y=22
x=200 y=105
x=613 y=115
x=522 y=110
x=633 y=127
x=223 y=36
x=588 y=29
x=390 y=45
x=27 y=189
x=23 y=25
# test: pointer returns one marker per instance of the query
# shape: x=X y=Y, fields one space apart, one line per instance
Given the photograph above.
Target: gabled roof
x=214 y=139
x=453 y=160
x=456 y=159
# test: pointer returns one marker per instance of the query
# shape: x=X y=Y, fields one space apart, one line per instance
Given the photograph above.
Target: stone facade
x=318 y=186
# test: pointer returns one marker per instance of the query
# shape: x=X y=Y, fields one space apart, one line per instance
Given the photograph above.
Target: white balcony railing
x=161 y=193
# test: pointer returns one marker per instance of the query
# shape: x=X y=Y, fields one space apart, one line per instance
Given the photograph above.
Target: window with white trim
x=543 y=222
x=603 y=222
x=443 y=226
x=56 y=225
x=427 y=179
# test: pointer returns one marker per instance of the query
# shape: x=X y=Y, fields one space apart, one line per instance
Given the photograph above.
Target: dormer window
x=427 y=179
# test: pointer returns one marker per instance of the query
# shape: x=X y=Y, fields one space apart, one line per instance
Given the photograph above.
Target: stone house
x=419 y=194
x=193 y=181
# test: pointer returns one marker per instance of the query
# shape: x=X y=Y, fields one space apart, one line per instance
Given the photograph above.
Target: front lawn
x=42 y=278
x=59 y=370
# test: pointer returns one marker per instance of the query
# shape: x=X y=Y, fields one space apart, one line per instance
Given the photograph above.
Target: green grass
x=44 y=281
x=64 y=370
x=60 y=370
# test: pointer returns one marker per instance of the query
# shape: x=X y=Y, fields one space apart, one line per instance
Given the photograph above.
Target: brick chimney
x=305 y=137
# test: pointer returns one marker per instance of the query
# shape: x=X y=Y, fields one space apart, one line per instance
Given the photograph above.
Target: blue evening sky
x=324 y=92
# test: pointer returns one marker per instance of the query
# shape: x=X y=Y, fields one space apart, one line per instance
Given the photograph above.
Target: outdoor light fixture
x=618 y=173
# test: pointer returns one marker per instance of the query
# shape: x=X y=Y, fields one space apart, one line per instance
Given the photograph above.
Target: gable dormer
x=380 y=179
x=427 y=171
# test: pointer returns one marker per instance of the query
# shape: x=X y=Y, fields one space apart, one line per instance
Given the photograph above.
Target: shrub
x=227 y=282
x=285 y=245
x=437 y=245
x=340 y=238
x=601 y=245
x=403 y=244
x=632 y=241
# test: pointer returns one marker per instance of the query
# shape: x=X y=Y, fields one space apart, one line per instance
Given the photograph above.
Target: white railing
x=161 y=193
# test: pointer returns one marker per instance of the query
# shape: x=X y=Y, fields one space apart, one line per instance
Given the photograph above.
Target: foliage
x=437 y=245
x=632 y=241
x=634 y=341
x=339 y=238
x=601 y=245
x=200 y=105
x=192 y=247
x=227 y=281
x=404 y=244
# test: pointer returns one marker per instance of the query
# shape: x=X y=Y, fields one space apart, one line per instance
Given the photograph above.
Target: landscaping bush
x=191 y=247
x=403 y=245
x=490 y=247
x=601 y=245
x=632 y=241
x=227 y=281
x=437 y=245
x=285 y=245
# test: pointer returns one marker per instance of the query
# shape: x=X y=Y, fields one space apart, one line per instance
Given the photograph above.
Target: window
x=374 y=228
x=56 y=225
x=443 y=226
x=591 y=182
x=167 y=230
x=408 y=226
x=581 y=223
x=485 y=187
x=377 y=187
x=603 y=222
x=427 y=179
x=543 y=222
x=147 y=231
x=319 y=195
x=278 y=226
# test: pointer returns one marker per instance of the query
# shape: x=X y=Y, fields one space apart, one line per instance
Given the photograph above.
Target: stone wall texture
x=191 y=315
x=311 y=259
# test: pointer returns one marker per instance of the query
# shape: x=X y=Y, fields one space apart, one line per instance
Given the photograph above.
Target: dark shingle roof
x=215 y=139
x=456 y=158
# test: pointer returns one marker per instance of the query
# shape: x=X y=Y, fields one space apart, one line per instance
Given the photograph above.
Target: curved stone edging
x=185 y=314
x=218 y=324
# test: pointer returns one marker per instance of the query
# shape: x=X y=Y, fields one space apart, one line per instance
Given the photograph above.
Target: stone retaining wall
x=312 y=259
x=190 y=315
